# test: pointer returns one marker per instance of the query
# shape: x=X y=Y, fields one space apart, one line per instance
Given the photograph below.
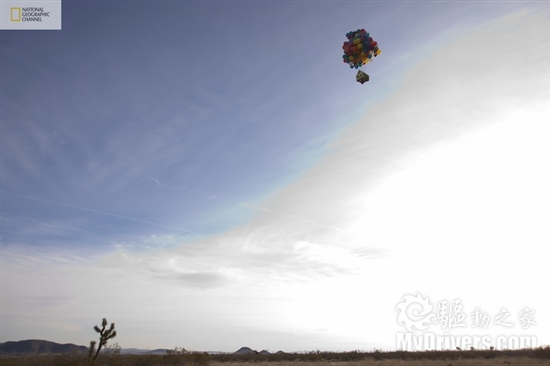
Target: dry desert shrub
x=155 y=360
x=512 y=361
x=181 y=357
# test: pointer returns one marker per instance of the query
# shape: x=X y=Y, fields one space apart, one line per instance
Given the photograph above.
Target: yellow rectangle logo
x=15 y=14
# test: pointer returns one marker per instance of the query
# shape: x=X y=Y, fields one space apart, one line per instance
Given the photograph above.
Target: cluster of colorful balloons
x=360 y=48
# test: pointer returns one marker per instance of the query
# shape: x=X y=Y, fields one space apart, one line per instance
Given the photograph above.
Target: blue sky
x=210 y=175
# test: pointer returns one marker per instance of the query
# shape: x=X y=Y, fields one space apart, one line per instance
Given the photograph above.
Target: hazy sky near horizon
x=209 y=175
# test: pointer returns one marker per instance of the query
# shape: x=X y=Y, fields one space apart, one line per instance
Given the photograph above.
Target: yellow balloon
x=359 y=45
x=378 y=51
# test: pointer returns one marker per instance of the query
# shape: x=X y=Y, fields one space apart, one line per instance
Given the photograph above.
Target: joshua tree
x=104 y=336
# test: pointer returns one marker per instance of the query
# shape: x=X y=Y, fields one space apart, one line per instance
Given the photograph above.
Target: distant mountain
x=138 y=351
x=245 y=351
x=249 y=351
x=37 y=346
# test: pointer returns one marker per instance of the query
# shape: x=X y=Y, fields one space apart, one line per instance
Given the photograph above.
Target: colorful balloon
x=359 y=49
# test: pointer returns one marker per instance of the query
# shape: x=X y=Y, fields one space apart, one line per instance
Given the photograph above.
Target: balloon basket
x=361 y=77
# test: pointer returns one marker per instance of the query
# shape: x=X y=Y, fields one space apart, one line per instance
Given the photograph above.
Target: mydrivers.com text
x=430 y=341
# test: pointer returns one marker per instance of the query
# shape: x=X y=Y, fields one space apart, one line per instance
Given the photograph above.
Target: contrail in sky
x=159 y=184
x=101 y=212
x=246 y=204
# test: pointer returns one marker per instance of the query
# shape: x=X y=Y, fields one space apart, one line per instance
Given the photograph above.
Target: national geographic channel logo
x=28 y=14
x=17 y=14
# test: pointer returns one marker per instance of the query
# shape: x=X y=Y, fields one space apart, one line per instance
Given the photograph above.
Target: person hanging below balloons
x=359 y=50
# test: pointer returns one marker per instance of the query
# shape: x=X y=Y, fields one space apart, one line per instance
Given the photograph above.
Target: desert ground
x=536 y=357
